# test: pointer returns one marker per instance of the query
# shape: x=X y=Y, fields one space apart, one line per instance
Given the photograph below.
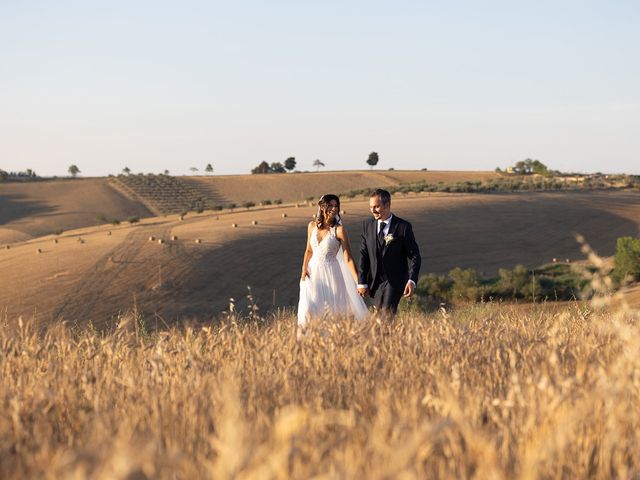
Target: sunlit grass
x=486 y=392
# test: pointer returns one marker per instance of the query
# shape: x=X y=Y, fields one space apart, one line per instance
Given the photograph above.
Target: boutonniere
x=388 y=238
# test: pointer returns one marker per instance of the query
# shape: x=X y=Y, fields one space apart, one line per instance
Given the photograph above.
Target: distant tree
x=166 y=172
x=277 y=167
x=262 y=168
x=290 y=163
x=317 y=163
x=373 y=159
x=73 y=170
x=208 y=168
x=126 y=170
x=498 y=170
x=540 y=168
x=193 y=169
x=529 y=166
x=3 y=175
x=30 y=173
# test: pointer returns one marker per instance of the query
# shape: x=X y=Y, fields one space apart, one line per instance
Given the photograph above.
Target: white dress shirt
x=386 y=226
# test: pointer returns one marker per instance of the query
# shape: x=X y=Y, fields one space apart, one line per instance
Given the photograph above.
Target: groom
x=389 y=256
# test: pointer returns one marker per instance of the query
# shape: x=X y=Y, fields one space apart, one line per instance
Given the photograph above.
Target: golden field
x=483 y=392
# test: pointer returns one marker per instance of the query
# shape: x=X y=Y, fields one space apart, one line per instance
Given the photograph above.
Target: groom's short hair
x=385 y=197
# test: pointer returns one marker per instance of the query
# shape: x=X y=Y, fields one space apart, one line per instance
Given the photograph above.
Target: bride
x=329 y=278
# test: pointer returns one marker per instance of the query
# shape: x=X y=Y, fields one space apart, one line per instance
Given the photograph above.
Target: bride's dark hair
x=321 y=217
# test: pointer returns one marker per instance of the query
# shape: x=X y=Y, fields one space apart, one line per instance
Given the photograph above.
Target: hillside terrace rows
x=164 y=194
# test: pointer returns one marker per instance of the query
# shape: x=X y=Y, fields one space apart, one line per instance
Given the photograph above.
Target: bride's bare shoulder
x=311 y=224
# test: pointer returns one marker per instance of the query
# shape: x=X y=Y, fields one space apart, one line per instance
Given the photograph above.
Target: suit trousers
x=387 y=298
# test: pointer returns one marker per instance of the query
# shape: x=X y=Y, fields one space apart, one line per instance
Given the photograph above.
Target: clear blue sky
x=459 y=85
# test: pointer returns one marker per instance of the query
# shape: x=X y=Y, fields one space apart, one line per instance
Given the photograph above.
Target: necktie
x=381 y=233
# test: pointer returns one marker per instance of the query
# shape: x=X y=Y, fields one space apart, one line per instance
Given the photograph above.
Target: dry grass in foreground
x=486 y=392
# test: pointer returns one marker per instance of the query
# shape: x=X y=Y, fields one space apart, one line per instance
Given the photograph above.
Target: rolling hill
x=95 y=273
x=36 y=208
x=33 y=209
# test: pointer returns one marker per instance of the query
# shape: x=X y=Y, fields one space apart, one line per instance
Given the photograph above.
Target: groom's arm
x=412 y=251
x=364 y=264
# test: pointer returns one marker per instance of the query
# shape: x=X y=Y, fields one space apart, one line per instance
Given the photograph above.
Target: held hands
x=409 y=288
x=363 y=292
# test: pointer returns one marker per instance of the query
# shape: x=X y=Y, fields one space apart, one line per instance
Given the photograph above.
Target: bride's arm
x=307 y=253
x=341 y=233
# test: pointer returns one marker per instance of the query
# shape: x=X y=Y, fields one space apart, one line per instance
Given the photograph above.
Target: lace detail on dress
x=325 y=249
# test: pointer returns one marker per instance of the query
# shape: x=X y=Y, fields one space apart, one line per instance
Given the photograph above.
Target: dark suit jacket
x=400 y=258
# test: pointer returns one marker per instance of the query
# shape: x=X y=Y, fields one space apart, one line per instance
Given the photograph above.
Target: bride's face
x=331 y=210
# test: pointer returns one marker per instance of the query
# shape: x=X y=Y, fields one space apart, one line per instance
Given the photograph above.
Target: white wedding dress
x=329 y=289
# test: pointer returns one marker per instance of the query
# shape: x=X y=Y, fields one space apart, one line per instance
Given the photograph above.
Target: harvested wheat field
x=36 y=208
x=30 y=209
x=174 y=270
x=300 y=186
x=485 y=392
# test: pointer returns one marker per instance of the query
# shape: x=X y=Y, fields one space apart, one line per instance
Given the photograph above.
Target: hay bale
x=7 y=247
x=109 y=233
x=152 y=238
x=38 y=250
x=198 y=240
x=284 y=215
x=254 y=222
x=160 y=241
x=342 y=212
x=234 y=225
x=174 y=238
x=55 y=240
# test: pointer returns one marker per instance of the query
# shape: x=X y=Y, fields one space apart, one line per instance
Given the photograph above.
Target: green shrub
x=466 y=284
x=513 y=283
x=436 y=289
x=626 y=263
x=133 y=220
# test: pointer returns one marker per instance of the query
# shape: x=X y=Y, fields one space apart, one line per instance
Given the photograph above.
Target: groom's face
x=379 y=210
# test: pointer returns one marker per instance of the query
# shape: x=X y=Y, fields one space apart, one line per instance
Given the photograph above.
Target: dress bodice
x=325 y=249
